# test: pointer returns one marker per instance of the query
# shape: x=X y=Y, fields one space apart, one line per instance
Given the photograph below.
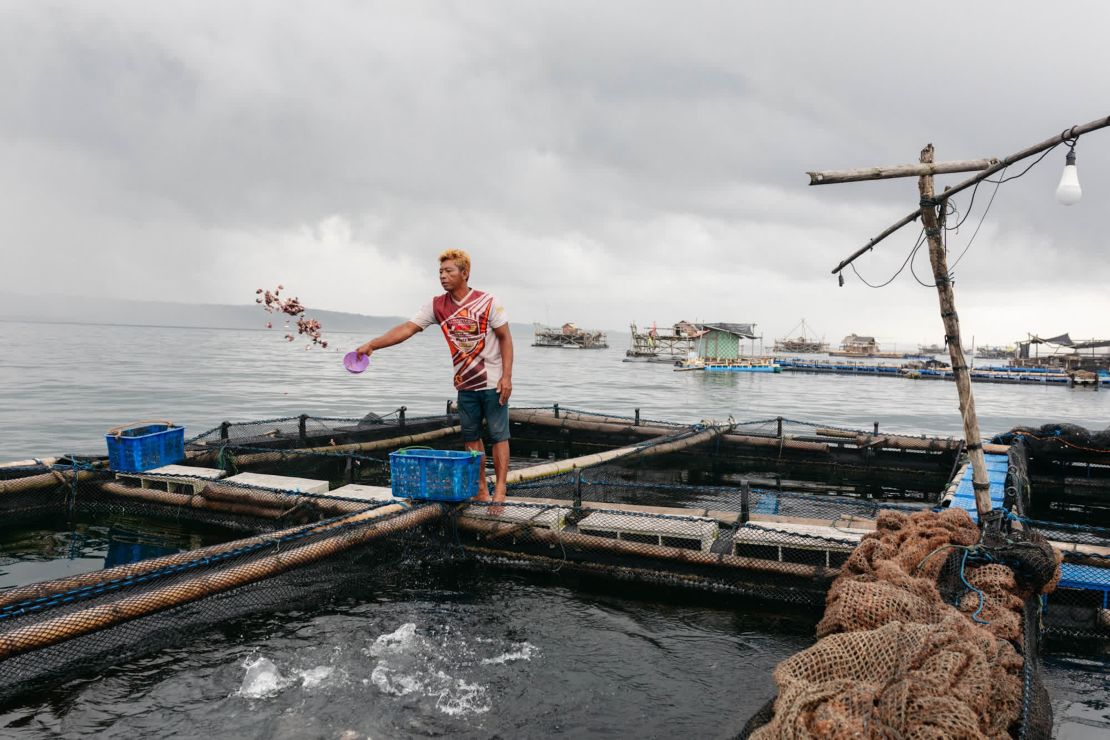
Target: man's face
x=450 y=276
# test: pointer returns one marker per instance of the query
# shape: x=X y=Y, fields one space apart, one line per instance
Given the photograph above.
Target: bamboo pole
x=895 y=441
x=565 y=422
x=497 y=530
x=621 y=572
x=830 y=177
x=778 y=443
x=43 y=480
x=646 y=431
x=939 y=261
x=234 y=500
x=47 y=461
x=381 y=444
x=1065 y=135
x=131 y=570
x=192 y=501
x=565 y=466
x=215 y=491
x=74 y=624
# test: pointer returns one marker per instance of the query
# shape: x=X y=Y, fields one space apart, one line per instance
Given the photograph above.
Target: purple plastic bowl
x=355 y=363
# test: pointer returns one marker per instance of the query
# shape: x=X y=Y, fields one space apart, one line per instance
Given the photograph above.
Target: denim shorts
x=476 y=405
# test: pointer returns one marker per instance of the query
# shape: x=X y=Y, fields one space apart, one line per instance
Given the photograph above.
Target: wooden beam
x=1065 y=135
x=962 y=375
x=831 y=177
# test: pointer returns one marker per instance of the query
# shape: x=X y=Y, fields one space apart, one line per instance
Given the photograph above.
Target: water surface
x=481 y=654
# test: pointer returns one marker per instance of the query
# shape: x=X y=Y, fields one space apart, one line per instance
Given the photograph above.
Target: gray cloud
x=637 y=161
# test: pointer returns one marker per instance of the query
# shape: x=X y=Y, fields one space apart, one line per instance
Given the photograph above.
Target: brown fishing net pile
x=896 y=660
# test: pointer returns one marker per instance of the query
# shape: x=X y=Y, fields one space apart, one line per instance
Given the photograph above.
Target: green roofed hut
x=720 y=349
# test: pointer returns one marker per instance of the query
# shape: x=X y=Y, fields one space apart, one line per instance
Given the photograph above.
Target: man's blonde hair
x=459 y=257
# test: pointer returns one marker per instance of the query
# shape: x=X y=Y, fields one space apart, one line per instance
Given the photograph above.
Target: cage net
x=639 y=516
x=1075 y=521
x=56 y=628
x=674 y=507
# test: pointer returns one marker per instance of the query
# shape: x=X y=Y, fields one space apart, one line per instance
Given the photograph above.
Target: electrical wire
x=981 y=218
x=1034 y=164
x=913 y=272
x=920 y=241
x=951 y=209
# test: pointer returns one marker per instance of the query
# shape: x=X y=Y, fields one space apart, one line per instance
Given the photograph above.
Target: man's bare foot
x=481 y=498
x=496 y=507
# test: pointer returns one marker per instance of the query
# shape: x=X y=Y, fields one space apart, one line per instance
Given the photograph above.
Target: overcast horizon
x=629 y=161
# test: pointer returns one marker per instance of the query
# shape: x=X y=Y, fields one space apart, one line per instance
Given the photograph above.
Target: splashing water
x=263 y=679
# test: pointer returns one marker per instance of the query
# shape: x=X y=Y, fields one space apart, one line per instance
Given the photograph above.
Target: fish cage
x=773 y=510
x=1060 y=486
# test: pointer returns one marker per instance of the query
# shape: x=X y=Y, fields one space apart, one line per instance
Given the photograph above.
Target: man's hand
x=365 y=349
x=504 y=389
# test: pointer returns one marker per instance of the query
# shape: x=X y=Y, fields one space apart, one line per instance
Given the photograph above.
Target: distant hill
x=84 y=310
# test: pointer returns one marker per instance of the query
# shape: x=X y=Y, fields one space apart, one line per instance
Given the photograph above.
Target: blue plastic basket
x=436 y=475
x=143 y=445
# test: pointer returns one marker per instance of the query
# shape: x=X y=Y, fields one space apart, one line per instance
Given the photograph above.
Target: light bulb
x=1068 y=191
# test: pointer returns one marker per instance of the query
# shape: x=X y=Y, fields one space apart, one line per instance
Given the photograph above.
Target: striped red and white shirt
x=468 y=327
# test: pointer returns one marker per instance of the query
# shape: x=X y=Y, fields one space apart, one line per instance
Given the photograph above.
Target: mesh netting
x=1080 y=605
x=773 y=509
x=924 y=635
x=57 y=627
x=1058 y=438
x=306 y=430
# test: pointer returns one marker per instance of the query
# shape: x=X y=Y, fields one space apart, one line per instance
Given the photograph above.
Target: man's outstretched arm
x=505 y=385
x=396 y=335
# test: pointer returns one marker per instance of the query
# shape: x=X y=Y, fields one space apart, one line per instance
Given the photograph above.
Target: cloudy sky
x=602 y=162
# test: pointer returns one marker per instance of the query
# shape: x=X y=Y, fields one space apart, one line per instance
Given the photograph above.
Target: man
x=477 y=331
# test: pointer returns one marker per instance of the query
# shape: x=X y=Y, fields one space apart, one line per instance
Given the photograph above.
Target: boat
x=855 y=345
x=569 y=336
x=803 y=344
x=931 y=349
x=691 y=362
x=668 y=346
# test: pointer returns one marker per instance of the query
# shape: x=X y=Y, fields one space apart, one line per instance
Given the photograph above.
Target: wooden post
x=745 y=501
x=939 y=261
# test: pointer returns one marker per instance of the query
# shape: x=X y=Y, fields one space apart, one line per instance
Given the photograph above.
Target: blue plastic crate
x=145 y=445
x=436 y=475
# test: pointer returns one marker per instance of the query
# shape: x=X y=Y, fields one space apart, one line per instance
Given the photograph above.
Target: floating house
x=569 y=336
x=855 y=345
x=668 y=346
x=1064 y=352
x=720 y=349
x=805 y=343
x=723 y=341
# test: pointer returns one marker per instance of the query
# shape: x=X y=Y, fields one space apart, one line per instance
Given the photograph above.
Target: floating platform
x=687 y=533
x=358 y=492
x=840 y=368
x=1011 y=375
x=768 y=510
x=741 y=366
x=282 y=483
x=175 y=478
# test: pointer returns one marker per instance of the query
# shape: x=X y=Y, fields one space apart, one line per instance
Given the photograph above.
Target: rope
x=982 y=596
